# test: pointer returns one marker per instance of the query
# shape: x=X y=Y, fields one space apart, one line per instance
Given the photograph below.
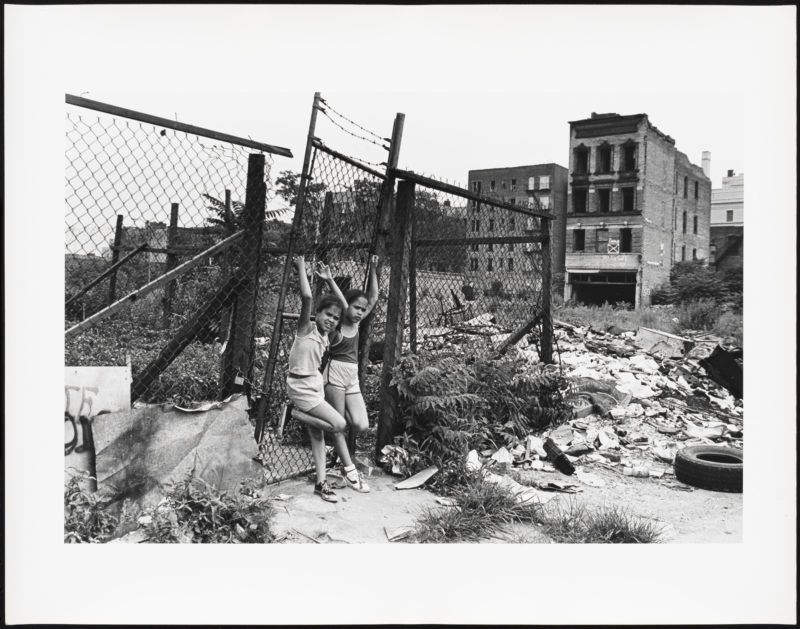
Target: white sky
x=481 y=87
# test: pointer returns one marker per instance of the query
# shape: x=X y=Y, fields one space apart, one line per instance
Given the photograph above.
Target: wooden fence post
x=172 y=262
x=238 y=355
x=228 y=229
x=400 y=240
x=112 y=286
x=412 y=283
x=547 y=320
x=386 y=205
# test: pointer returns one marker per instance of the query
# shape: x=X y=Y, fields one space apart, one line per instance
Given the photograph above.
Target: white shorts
x=343 y=376
x=306 y=393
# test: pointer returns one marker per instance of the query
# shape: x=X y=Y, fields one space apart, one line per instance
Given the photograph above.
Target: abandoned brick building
x=518 y=185
x=727 y=223
x=636 y=205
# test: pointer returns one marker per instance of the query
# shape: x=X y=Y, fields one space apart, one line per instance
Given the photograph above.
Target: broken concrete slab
x=419 y=479
x=723 y=369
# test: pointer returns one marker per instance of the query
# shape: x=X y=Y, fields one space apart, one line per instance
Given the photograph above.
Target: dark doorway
x=595 y=289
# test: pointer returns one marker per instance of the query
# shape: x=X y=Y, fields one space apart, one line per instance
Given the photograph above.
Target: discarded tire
x=710 y=467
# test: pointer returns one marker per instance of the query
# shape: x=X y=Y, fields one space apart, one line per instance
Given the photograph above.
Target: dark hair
x=329 y=300
x=353 y=294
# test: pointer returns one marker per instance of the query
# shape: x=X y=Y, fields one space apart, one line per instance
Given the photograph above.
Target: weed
x=86 y=518
x=194 y=511
x=698 y=315
x=483 y=508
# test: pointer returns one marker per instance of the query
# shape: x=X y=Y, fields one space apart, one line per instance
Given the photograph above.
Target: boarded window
x=601 y=241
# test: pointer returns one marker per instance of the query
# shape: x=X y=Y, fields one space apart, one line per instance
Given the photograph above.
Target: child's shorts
x=342 y=375
x=307 y=392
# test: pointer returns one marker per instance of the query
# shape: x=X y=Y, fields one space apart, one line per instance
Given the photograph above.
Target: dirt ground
x=687 y=516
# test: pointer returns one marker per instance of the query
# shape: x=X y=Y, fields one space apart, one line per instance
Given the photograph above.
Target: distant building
x=517 y=185
x=637 y=205
x=727 y=223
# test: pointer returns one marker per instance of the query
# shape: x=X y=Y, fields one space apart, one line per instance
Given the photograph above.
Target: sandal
x=324 y=491
x=355 y=480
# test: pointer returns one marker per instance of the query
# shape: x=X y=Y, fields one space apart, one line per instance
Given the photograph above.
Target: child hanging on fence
x=304 y=383
x=342 y=388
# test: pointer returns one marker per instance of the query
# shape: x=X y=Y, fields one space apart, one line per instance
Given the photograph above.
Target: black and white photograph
x=400 y=314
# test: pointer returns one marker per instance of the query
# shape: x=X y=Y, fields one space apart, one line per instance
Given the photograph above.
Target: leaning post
x=172 y=262
x=400 y=245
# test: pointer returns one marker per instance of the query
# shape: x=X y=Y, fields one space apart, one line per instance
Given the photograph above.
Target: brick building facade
x=518 y=185
x=636 y=206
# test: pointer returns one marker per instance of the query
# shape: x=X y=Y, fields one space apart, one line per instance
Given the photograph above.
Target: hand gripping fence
x=165 y=262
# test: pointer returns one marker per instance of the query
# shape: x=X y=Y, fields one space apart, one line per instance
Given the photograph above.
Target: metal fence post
x=172 y=261
x=112 y=286
x=547 y=321
x=400 y=237
x=238 y=354
x=274 y=342
x=412 y=282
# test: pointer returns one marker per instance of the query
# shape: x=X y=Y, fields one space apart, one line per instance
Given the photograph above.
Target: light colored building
x=727 y=222
x=636 y=206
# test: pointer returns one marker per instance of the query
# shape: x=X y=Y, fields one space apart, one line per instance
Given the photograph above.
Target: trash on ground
x=418 y=479
x=397 y=533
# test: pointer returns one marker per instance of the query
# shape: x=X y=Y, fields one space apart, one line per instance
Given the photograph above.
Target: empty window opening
x=685 y=187
x=684 y=223
x=491 y=224
x=601 y=241
x=694 y=254
x=683 y=253
x=729 y=216
x=489 y=265
x=578 y=239
x=604 y=195
x=531 y=183
x=544 y=182
x=513 y=184
x=511 y=264
x=544 y=202
x=604 y=160
x=629 y=157
x=473 y=264
x=502 y=184
x=696 y=190
x=694 y=224
x=581 y=160
x=474 y=247
x=625 y=240
x=476 y=225
x=628 y=200
x=491 y=186
x=511 y=246
x=579 y=201
x=512 y=224
x=491 y=247
x=604 y=287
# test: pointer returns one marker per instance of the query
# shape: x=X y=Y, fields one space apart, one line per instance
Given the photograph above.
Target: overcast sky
x=481 y=86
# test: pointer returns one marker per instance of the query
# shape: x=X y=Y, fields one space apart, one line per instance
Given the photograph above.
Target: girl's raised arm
x=324 y=273
x=305 y=295
x=372 y=287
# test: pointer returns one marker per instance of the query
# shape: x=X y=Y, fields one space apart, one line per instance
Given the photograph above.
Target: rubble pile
x=634 y=408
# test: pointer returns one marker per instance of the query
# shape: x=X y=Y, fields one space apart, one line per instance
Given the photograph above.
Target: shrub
x=729 y=326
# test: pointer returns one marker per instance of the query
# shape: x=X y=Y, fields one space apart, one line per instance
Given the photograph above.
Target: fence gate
x=338 y=218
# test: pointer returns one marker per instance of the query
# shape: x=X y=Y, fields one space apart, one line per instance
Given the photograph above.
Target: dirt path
x=697 y=516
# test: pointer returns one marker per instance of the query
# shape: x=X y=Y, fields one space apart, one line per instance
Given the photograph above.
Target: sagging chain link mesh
x=475 y=273
x=339 y=215
x=142 y=200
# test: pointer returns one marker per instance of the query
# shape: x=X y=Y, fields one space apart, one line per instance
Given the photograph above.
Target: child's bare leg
x=323 y=417
x=318 y=451
x=335 y=396
x=357 y=411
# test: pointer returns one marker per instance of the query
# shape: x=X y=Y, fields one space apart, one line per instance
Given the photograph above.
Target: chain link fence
x=165 y=252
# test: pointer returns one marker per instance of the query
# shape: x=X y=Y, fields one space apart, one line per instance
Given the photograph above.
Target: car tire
x=716 y=468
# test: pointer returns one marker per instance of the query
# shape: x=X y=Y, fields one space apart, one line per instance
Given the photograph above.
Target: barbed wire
x=355 y=135
x=372 y=133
